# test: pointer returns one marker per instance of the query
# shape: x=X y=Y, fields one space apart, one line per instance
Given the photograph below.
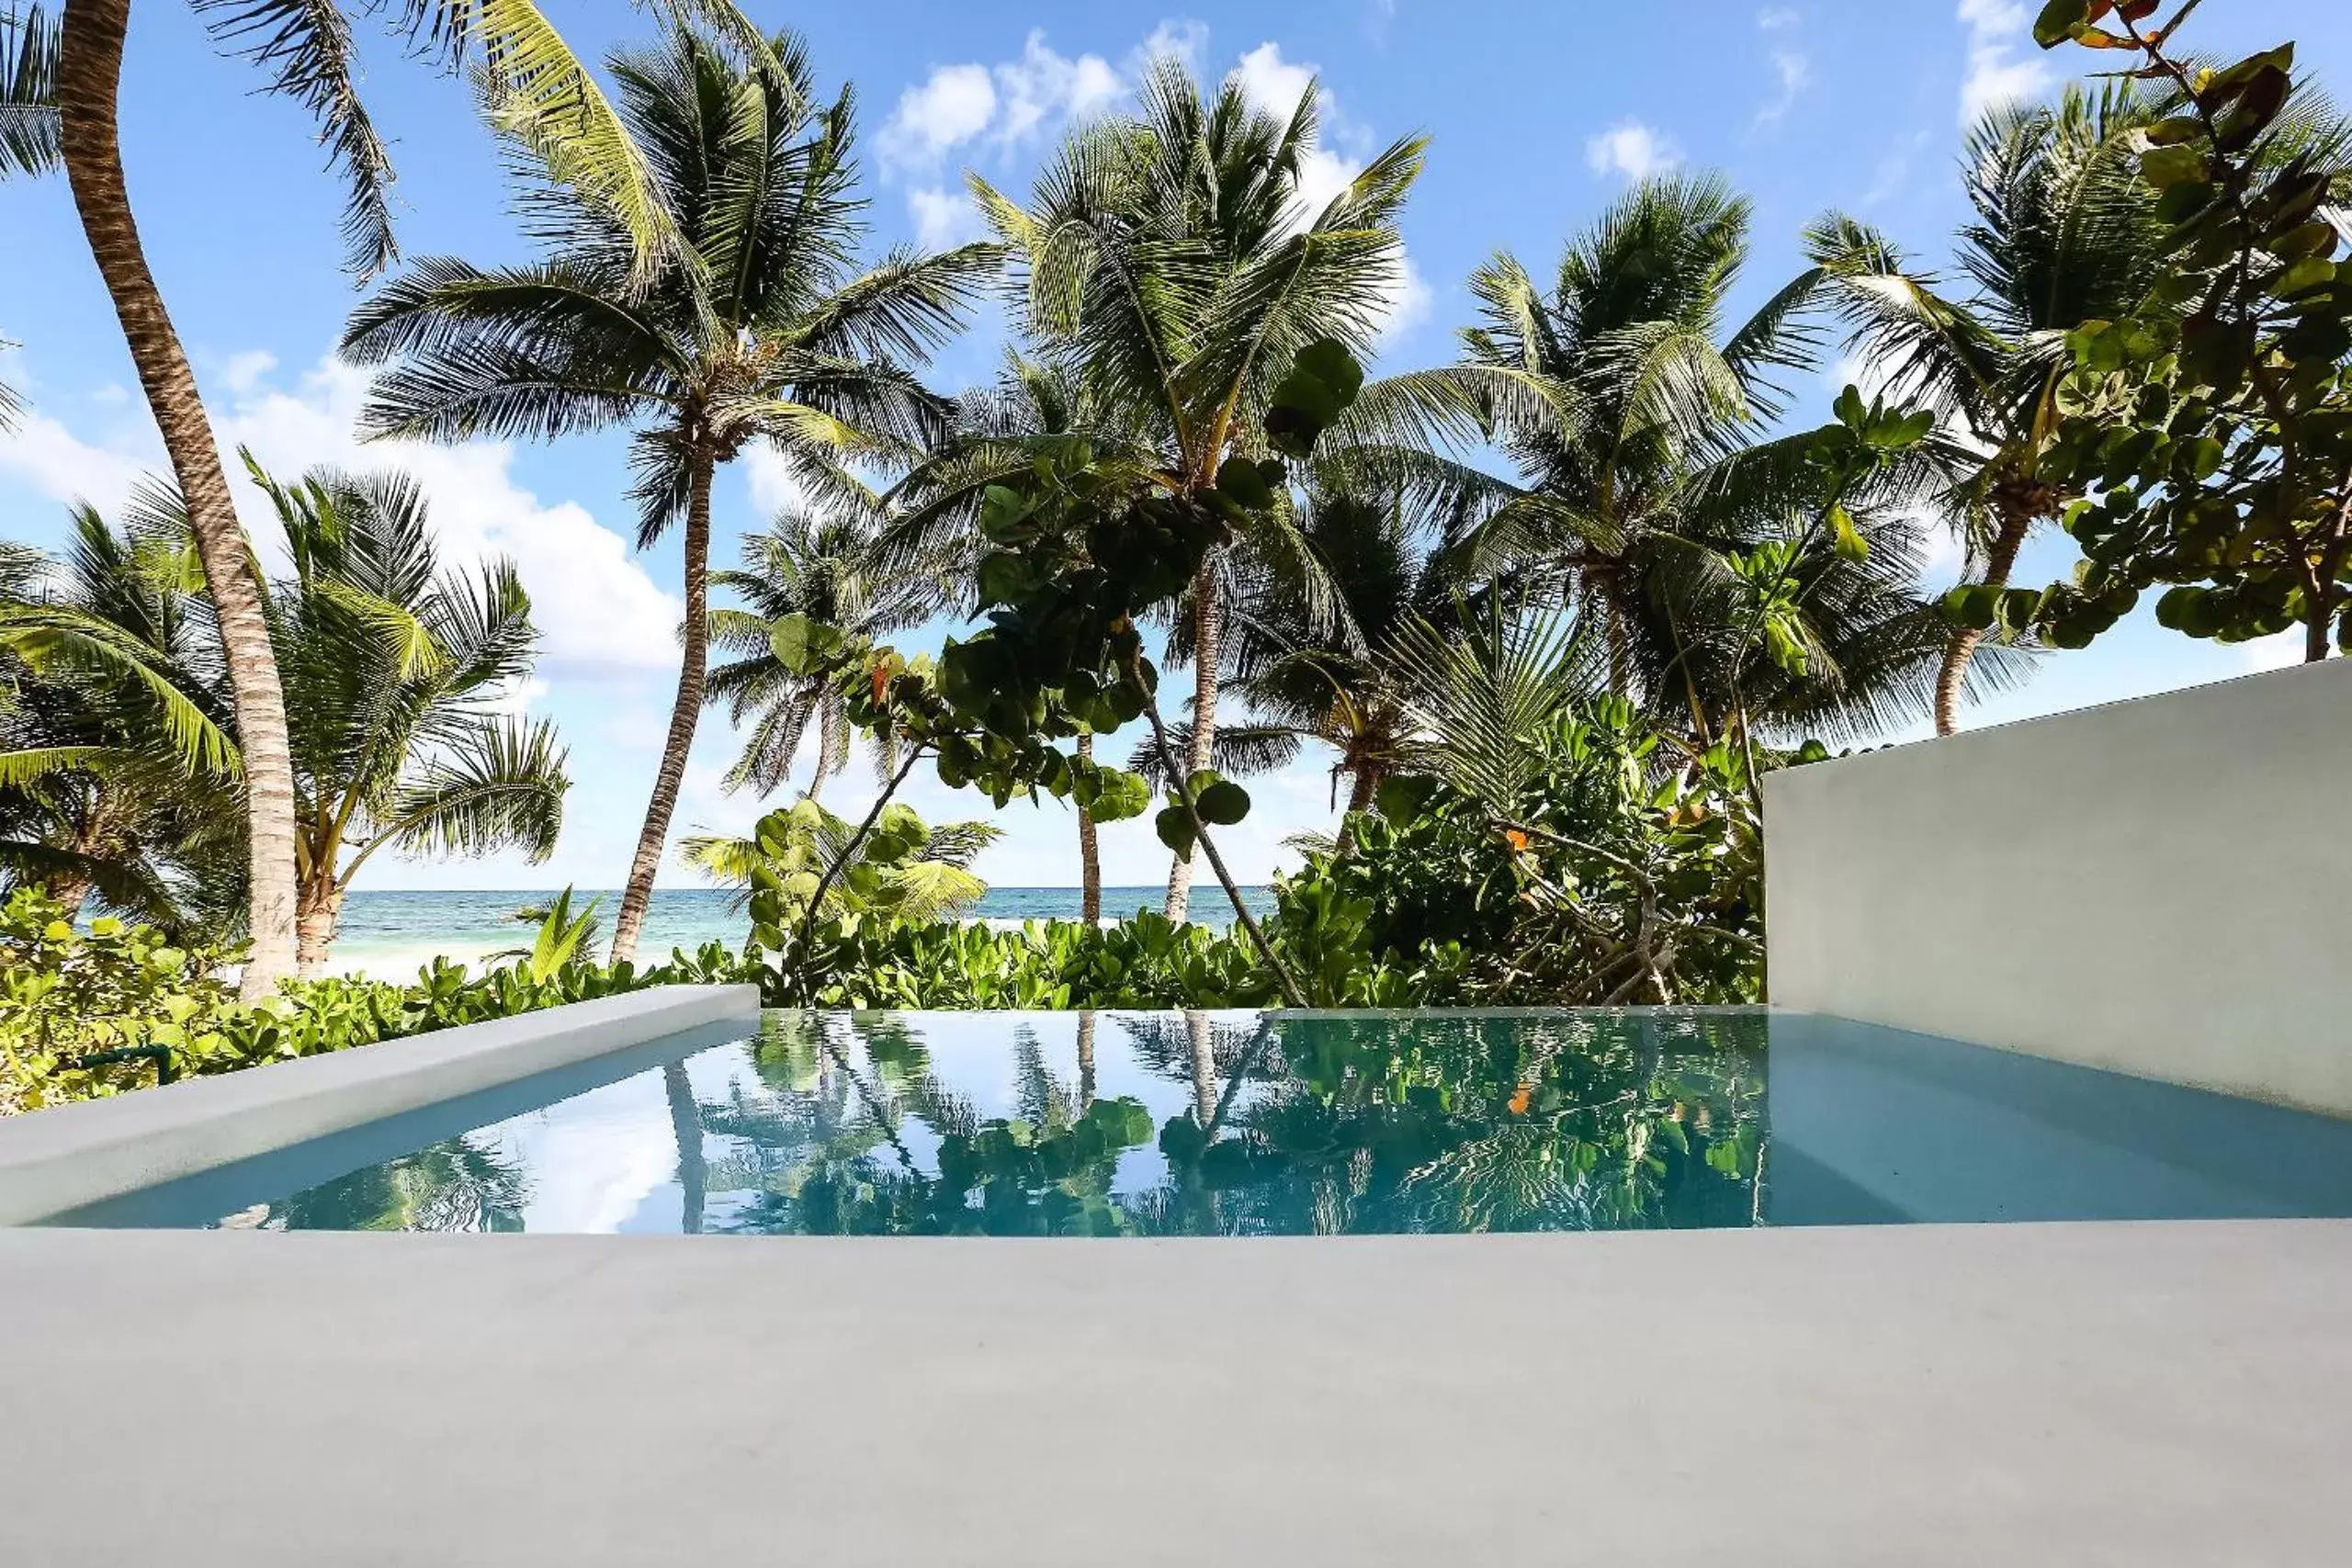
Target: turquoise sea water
x=390 y=934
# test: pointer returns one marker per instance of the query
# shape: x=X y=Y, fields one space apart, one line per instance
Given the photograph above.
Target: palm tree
x=1389 y=558
x=1172 y=267
x=1634 y=416
x=2065 y=232
x=393 y=668
x=836 y=570
x=1636 y=413
x=117 y=778
x=28 y=123
x=760 y=329
x=532 y=89
x=27 y=92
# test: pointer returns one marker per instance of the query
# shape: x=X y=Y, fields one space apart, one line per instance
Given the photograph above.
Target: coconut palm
x=835 y=570
x=1389 y=558
x=1636 y=418
x=117 y=778
x=27 y=124
x=394 y=669
x=762 y=330
x=1635 y=433
x=1172 y=266
x=27 y=92
x=532 y=89
x=2065 y=232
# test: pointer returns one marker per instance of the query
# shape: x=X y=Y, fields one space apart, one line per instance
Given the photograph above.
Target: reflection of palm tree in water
x=686 y=1125
x=452 y=1186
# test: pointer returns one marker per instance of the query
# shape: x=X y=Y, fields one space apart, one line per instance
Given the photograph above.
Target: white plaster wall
x=2159 y=887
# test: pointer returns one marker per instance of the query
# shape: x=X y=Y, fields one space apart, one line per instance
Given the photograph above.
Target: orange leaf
x=1517 y=839
x=1520 y=1100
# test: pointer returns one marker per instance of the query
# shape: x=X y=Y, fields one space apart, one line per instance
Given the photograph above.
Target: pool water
x=1248 y=1125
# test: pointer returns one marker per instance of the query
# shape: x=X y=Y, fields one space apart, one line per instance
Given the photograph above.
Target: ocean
x=390 y=935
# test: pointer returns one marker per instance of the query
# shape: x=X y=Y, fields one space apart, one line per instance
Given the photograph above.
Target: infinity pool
x=1247 y=1125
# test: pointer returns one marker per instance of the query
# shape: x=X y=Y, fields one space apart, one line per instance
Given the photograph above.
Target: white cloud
x=2283 y=650
x=1795 y=72
x=1042 y=83
x=942 y=218
x=240 y=373
x=1777 y=18
x=113 y=394
x=595 y=606
x=1407 y=303
x=1630 y=151
x=1016 y=101
x=1999 y=69
x=775 y=486
x=517 y=698
x=59 y=464
x=1274 y=85
x=1185 y=41
x=1271 y=82
x=950 y=108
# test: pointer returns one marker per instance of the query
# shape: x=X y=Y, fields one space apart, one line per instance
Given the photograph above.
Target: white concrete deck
x=2077 y=1395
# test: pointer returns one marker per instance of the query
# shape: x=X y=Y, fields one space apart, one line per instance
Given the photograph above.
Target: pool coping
x=70 y=1156
x=2155 y=1394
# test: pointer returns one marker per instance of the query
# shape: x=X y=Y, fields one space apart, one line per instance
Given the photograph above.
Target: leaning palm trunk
x=655 y=835
x=1952 y=679
x=89 y=79
x=1090 y=854
x=316 y=916
x=1208 y=651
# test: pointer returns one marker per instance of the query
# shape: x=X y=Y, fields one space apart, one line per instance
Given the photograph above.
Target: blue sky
x=1539 y=113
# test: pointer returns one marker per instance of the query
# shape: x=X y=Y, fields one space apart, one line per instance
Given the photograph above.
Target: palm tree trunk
x=1952 y=679
x=655 y=836
x=89 y=80
x=1202 y=1032
x=317 y=912
x=1365 y=785
x=1089 y=856
x=1085 y=1062
x=73 y=893
x=1208 y=650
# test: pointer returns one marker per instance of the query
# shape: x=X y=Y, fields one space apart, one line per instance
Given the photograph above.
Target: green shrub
x=68 y=994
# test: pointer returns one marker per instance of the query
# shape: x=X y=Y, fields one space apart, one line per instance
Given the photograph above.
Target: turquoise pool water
x=1243 y=1124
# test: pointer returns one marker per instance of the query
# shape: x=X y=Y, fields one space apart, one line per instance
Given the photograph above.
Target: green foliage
x=1611 y=877
x=28 y=124
x=2208 y=430
x=67 y=994
x=560 y=938
x=900 y=868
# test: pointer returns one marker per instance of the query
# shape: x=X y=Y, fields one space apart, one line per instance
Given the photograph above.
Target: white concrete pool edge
x=60 y=1159
x=2086 y=1394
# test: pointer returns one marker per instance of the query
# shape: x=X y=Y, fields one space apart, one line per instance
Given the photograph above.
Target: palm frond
x=500 y=786
x=305 y=46
x=28 y=124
